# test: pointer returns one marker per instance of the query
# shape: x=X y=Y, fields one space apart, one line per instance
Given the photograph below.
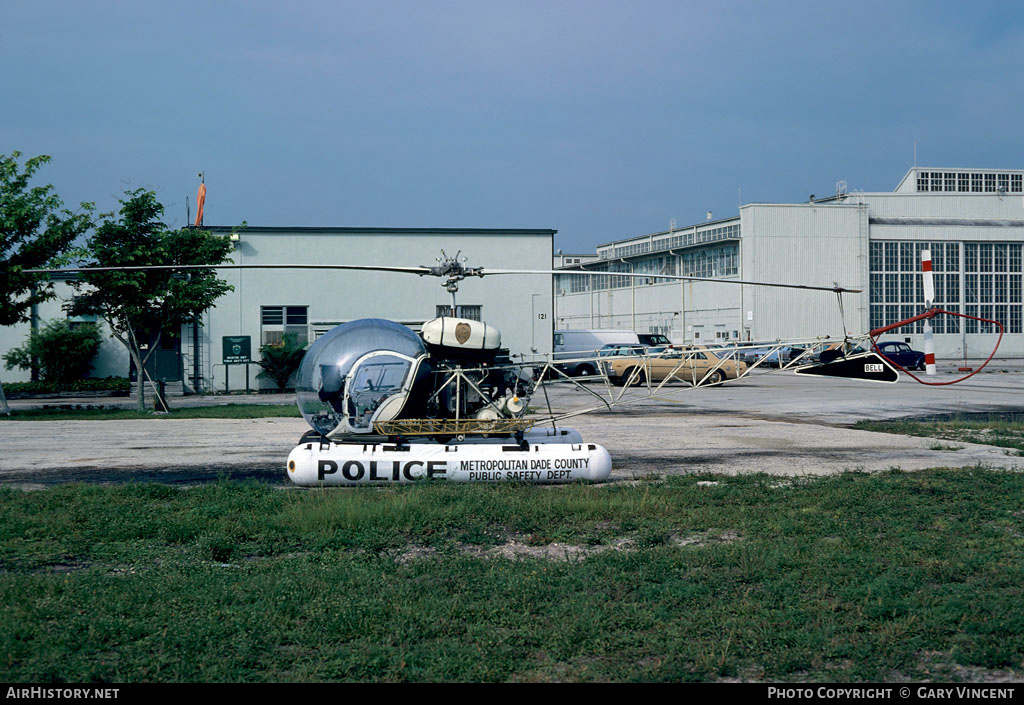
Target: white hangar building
x=267 y=304
x=972 y=220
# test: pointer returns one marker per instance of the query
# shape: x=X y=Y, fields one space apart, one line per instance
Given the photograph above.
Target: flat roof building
x=972 y=220
x=267 y=304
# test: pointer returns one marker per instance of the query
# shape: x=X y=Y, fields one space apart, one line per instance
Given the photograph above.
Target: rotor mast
x=455 y=271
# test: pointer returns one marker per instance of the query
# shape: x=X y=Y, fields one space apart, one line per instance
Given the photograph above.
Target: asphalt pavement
x=768 y=422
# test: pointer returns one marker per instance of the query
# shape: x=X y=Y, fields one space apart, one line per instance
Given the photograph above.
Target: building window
x=278 y=321
x=992 y=285
x=897 y=289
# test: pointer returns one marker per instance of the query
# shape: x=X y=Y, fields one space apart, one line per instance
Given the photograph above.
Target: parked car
x=835 y=352
x=679 y=364
x=892 y=350
x=902 y=354
x=751 y=352
x=578 y=347
x=780 y=357
x=619 y=349
x=654 y=339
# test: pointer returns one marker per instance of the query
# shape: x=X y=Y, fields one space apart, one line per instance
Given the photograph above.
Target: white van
x=584 y=343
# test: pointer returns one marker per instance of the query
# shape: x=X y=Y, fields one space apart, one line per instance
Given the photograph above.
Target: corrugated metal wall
x=817 y=245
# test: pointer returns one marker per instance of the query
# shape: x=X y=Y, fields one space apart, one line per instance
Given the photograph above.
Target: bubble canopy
x=328 y=362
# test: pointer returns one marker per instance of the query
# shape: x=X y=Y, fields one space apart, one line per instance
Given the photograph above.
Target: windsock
x=200 y=202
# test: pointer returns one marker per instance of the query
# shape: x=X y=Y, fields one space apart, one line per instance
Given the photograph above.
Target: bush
x=63 y=354
x=280 y=362
x=98 y=384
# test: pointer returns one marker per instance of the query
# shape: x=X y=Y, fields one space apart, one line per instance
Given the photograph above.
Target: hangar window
x=963 y=182
x=278 y=321
x=1013 y=320
x=993 y=280
x=970 y=257
x=985 y=257
x=892 y=252
x=876 y=289
x=1004 y=183
x=876 y=256
x=990 y=183
x=892 y=289
x=999 y=285
x=976 y=183
x=908 y=259
x=922 y=180
x=1015 y=183
x=897 y=290
x=950 y=181
x=1000 y=252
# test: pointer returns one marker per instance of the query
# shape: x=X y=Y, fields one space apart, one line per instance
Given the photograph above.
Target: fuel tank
x=316 y=464
x=460 y=334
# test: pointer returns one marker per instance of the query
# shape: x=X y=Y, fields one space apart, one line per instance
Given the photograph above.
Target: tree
x=35 y=231
x=141 y=307
x=279 y=362
x=64 y=354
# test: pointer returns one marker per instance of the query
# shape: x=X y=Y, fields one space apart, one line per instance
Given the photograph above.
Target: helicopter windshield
x=373 y=382
x=323 y=384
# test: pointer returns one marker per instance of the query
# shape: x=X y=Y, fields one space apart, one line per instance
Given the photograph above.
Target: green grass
x=223 y=411
x=853 y=577
x=1004 y=431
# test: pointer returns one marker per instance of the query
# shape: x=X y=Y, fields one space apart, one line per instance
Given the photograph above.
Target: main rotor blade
x=422 y=271
x=673 y=277
x=363 y=267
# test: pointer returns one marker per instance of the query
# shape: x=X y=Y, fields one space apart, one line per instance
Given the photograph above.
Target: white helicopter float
x=389 y=406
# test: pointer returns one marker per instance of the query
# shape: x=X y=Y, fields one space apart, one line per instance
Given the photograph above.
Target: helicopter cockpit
x=358 y=373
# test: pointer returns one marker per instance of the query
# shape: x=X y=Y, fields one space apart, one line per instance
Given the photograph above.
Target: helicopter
x=387 y=405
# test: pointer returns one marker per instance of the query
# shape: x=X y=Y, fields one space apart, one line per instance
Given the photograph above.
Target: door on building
x=165 y=362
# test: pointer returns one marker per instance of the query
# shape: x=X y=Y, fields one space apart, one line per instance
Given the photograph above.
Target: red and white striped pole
x=929 y=297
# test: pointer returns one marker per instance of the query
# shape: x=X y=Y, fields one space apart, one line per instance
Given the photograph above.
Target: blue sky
x=602 y=120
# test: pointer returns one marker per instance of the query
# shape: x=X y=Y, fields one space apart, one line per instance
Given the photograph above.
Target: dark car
x=653 y=339
x=902 y=355
x=835 y=353
x=899 y=353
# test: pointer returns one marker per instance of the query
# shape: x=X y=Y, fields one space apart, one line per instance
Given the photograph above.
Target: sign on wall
x=237 y=349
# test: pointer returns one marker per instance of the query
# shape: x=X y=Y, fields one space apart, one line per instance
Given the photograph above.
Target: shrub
x=64 y=353
x=98 y=384
x=280 y=362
